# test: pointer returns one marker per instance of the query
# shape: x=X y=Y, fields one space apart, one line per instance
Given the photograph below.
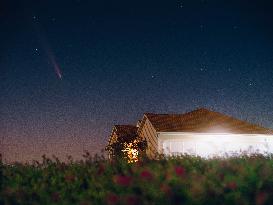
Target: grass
x=179 y=180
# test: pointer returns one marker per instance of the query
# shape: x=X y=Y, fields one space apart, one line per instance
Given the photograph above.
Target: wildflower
x=85 y=203
x=168 y=175
x=231 y=185
x=165 y=189
x=69 y=178
x=101 y=169
x=180 y=171
x=55 y=196
x=132 y=200
x=221 y=176
x=8 y=191
x=122 y=180
x=112 y=199
x=261 y=198
x=146 y=175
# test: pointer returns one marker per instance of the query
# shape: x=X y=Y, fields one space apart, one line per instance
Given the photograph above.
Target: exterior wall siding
x=148 y=132
x=213 y=144
x=113 y=138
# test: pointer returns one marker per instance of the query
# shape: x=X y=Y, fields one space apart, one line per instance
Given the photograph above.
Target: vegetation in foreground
x=180 y=180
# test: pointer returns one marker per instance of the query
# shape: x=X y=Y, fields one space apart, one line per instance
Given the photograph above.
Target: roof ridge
x=202 y=118
x=198 y=109
x=239 y=120
x=125 y=125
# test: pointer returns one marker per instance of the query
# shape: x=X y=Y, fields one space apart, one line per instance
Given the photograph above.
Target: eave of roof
x=125 y=129
x=203 y=120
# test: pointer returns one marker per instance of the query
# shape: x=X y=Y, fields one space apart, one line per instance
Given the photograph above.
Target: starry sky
x=72 y=69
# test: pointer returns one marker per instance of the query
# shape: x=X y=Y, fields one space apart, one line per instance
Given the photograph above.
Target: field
x=180 y=180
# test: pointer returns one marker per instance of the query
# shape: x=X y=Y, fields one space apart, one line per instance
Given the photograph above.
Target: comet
x=47 y=48
x=52 y=59
x=55 y=64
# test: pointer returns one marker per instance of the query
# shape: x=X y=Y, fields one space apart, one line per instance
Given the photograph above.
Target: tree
x=129 y=147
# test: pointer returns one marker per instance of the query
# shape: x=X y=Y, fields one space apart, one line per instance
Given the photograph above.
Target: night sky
x=70 y=70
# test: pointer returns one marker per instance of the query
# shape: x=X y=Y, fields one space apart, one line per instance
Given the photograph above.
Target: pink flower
x=168 y=176
x=8 y=191
x=55 y=197
x=221 y=176
x=69 y=178
x=180 y=171
x=261 y=198
x=132 y=200
x=146 y=175
x=112 y=199
x=166 y=189
x=101 y=169
x=122 y=180
x=231 y=185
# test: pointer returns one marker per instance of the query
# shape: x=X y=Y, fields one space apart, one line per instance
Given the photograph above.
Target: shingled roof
x=203 y=120
x=125 y=130
x=122 y=133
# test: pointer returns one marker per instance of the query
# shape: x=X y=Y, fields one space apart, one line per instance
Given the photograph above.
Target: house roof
x=122 y=133
x=125 y=130
x=203 y=120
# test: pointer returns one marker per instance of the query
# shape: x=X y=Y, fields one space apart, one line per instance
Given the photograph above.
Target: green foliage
x=178 y=180
x=116 y=149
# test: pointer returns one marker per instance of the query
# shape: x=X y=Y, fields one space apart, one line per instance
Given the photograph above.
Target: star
x=203 y=69
x=251 y=83
x=181 y=5
x=36 y=51
x=34 y=17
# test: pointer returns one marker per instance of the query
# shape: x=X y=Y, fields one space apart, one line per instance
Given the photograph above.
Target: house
x=200 y=132
x=120 y=135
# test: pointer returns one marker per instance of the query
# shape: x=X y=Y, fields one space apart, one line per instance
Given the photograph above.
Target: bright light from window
x=214 y=144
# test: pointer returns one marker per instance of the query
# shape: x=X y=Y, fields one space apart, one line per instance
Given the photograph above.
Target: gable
x=122 y=132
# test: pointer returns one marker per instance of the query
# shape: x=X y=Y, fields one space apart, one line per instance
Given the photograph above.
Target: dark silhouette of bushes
x=176 y=180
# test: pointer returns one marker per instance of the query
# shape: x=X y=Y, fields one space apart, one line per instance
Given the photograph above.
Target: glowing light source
x=214 y=144
x=131 y=152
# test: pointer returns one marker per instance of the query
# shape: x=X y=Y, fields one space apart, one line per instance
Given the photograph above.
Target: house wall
x=113 y=138
x=148 y=132
x=205 y=145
